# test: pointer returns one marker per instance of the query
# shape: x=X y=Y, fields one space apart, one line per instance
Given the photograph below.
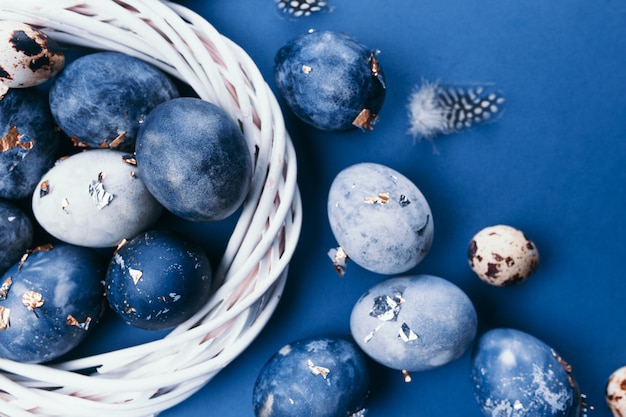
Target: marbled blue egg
x=515 y=374
x=50 y=302
x=29 y=144
x=380 y=218
x=330 y=81
x=414 y=323
x=94 y=198
x=194 y=159
x=321 y=377
x=16 y=234
x=158 y=280
x=103 y=95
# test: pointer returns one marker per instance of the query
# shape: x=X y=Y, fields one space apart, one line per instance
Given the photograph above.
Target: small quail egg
x=502 y=255
x=615 y=392
x=28 y=57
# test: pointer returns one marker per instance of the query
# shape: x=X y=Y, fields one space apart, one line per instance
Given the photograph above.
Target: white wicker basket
x=146 y=379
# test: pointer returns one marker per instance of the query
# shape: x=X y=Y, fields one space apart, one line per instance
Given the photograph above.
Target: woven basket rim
x=145 y=379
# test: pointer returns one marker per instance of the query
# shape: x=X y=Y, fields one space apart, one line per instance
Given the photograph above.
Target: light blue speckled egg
x=94 y=198
x=380 y=218
x=414 y=323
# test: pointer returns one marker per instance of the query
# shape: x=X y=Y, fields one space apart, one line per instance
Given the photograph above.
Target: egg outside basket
x=146 y=379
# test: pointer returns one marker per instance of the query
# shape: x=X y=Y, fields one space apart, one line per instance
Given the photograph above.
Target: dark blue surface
x=552 y=165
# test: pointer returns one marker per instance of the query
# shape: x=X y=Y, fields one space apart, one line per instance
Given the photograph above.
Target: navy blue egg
x=158 y=280
x=103 y=95
x=194 y=159
x=16 y=234
x=30 y=144
x=515 y=374
x=321 y=377
x=49 y=302
x=330 y=81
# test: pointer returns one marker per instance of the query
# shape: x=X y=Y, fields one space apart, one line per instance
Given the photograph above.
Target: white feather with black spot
x=298 y=8
x=435 y=109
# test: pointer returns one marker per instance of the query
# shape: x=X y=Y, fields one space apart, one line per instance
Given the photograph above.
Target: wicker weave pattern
x=146 y=379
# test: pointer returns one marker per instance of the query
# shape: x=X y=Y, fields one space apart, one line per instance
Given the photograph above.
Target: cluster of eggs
x=383 y=223
x=100 y=197
x=100 y=158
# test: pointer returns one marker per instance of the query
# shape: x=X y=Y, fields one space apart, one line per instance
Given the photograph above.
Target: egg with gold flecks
x=379 y=218
x=95 y=198
x=157 y=280
x=49 y=301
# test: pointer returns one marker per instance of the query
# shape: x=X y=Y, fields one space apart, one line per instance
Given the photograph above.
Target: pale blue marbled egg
x=414 y=323
x=380 y=218
x=95 y=199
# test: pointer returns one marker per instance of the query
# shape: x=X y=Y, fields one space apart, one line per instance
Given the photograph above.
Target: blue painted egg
x=29 y=144
x=16 y=234
x=49 y=302
x=158 y=280
x=321 y=377
x=515 y=374
x=94 y=198
x=380 y=218
x=414 y=323
x=330 y=81
x=102 y=98
x=194 y=159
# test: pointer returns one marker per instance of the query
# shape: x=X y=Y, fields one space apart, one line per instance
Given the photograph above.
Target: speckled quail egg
x=28 y=57
x=502 y=255
x=615 y=392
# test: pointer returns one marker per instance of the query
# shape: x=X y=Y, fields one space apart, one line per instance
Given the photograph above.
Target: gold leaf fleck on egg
x=32 y=300
x=12 y=140
x=4 y=317
x=317 y=370
x=135 y=274
x=381 y=198
x=72 y=321
x=65 y=204
x=44 y=189
x=46 y=247
x=4 y=289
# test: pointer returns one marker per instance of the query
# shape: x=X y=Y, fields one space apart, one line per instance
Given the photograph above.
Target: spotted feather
x=435 y=109
x=299 y=8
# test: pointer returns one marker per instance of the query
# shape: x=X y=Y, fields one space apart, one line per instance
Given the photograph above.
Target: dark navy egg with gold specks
x=515 y=374
x=49 y=301
x=321 y=377
x=380 y=218
x=29 y=144
x=158 y=280
x=414 y=323
x=330 y=81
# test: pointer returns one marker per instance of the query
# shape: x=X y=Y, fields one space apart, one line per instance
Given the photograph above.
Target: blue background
x=553 y=165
